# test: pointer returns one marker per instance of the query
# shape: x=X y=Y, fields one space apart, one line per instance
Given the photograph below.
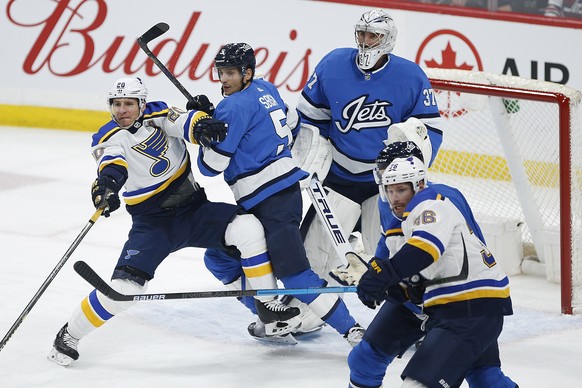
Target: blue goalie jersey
x=354 y=109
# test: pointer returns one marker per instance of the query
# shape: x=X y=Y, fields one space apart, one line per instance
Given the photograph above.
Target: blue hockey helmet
x=239 y=55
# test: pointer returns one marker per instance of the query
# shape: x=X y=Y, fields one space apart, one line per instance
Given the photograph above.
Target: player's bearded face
x=399 y=195
x=125 y=111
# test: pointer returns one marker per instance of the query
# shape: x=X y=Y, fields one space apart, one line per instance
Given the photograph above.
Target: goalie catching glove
x=349 y=275
x=104 y=193
x=207 y=130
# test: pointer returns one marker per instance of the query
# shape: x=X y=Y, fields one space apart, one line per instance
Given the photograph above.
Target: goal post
x=513 y=146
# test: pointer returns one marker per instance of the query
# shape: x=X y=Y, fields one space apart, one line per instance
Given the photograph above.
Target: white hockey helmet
x=128 y=87
x=380 y=23
x=401 y=170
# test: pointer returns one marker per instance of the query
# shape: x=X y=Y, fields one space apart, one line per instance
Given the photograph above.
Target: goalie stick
x=330 y=222
x=96 y=281
x=151 y=34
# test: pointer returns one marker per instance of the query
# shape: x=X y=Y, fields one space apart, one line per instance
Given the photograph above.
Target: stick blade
x=154 y=32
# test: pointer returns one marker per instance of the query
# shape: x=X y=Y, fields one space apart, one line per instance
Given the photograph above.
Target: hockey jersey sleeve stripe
x=107 y=135
x=423 y=235
x=192 y=119
x=468 y=291
x=313 y=112
x=394 y=232
x=117 y=160
x=214 y=161
x=426 y=247
x=138 y=196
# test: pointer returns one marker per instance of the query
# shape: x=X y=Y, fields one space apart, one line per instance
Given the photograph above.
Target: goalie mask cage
x=513 y=146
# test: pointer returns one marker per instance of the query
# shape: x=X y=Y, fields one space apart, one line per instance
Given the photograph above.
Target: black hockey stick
x=151 y=34
x=51 y=276
x=91 y=276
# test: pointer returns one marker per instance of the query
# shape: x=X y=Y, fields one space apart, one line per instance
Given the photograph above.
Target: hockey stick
x=331 y=224
x=91 y=276
x=151 y=34
x=51 y=276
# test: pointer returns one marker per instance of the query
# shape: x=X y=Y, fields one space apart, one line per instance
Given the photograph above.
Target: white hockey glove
x=412 y=130
x=350 y=275
x=312 y=153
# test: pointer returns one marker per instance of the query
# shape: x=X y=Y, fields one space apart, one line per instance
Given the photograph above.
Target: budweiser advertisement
x=66 y=53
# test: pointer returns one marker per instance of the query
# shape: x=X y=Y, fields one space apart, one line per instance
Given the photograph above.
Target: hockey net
x=513 y=146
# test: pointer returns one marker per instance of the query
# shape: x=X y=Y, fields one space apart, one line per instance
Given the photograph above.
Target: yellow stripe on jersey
x=395 y=231
x=194 y=119
x=470 y=295
x=428 y=248
x=116 y=162
x=258 y=271
x=139 y=199
x=90 y=314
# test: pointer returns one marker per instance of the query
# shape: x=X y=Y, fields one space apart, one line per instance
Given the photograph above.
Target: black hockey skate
x=64 y=350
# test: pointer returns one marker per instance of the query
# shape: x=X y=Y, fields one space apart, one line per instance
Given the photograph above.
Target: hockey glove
x=350 y=275
x=104 y=193
x=208 y=130
x=374 y=284
x=201 y=102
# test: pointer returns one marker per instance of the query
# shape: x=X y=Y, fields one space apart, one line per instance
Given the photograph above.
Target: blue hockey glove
x=374 y=285
x=208 y=130
x=201 y=102
x=104 y=193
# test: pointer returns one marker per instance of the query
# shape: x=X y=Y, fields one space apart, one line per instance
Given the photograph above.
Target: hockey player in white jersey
x=258 y=167
x=353 y=99
x=435 y=257
x=143 y=149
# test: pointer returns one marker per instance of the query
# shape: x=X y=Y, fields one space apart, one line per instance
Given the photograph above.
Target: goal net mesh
x=506 y=148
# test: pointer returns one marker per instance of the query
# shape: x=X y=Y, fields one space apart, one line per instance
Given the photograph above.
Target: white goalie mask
x=381 y=24
x=128 y=87
x=400 y=170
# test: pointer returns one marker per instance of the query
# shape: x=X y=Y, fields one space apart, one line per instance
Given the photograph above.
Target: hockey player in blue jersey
x=354 y=97
x=435 y=256
x=143 y=149
x=258 y=167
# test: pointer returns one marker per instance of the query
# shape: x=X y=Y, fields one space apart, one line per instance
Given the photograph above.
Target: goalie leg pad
x=319 y=248
x=371 y=228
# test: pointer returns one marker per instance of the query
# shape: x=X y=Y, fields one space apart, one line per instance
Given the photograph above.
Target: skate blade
x=60 y=358
x=286 y=339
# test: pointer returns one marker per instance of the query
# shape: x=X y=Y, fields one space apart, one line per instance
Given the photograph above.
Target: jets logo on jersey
x=155 y=147
x=359 y=114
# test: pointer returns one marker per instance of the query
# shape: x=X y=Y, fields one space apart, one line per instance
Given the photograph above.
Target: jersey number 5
x=278 y=117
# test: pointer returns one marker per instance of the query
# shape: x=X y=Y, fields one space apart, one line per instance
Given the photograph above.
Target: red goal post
x=514 y=148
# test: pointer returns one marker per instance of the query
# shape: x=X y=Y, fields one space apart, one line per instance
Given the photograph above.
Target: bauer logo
x=149 y=297
x=448 y=49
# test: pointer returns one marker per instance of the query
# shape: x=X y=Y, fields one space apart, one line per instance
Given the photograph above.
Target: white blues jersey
x=463 y=271
x=150 y=159
x=354 y=109
x=255 y=155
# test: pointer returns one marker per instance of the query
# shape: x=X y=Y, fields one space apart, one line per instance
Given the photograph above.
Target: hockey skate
x=355 y=335
x=276 y=322
x=64 y=350
x=310 y=322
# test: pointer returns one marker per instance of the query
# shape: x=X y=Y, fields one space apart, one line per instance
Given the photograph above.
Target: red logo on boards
x=448 y=49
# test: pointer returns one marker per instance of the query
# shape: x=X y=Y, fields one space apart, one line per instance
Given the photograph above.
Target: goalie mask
x=408 y=169
x=128 y=87
x=381 y=25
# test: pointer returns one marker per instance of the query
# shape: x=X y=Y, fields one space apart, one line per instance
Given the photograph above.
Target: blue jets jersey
x=255 y=155
x=354 y=109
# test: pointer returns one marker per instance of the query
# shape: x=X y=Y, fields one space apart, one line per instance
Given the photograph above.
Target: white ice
x=45 y=177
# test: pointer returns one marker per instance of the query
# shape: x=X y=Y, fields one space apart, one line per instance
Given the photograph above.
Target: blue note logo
x=131 y=252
